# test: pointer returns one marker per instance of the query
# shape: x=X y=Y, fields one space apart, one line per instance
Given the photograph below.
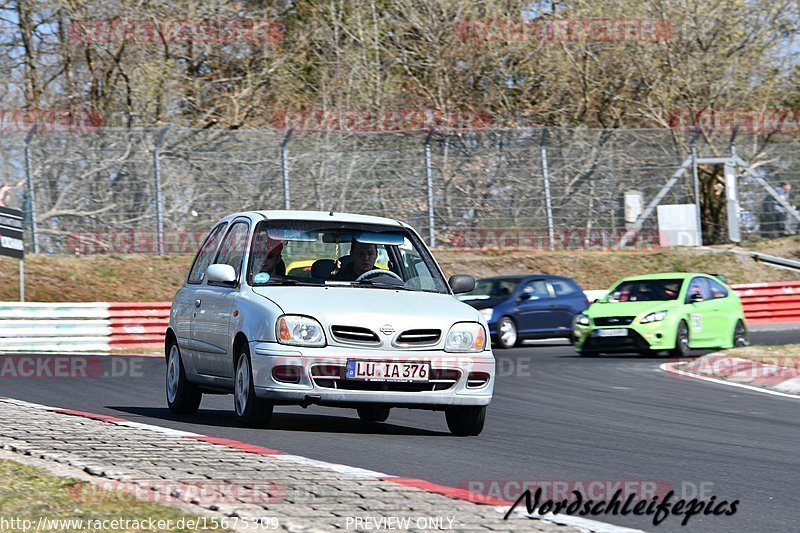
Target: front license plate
x=388 y=371
x=616 y=332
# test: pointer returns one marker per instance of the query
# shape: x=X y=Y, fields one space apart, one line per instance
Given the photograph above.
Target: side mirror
x=461 y=283
x=221 y=274
x=694 y=298
x=524 y=296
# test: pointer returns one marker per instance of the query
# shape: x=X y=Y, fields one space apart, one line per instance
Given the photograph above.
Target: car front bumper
x=324 y=390
x=643 y=337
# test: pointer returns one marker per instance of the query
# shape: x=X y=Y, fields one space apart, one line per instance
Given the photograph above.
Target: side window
x=698 y=286
x=562 y=287
x=717 y=290
x=205 y=255
x=233 y=247
x=537 y=289
x=419 y=277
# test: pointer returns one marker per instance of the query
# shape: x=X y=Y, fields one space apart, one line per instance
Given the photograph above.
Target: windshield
x=653 y=290
x=320 y=253
x=489 y=289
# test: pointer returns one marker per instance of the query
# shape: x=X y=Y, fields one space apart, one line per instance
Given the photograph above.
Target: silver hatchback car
x=302 y=308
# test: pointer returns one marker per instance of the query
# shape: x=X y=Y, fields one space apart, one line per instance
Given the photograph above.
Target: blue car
x=527 y=307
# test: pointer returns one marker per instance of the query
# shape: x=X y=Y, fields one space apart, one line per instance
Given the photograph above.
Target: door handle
x=197 y=303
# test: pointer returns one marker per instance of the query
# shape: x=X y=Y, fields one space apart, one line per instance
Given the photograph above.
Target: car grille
x=613 y=320
x=418 y=337
x=333 y=377
x=354 y=335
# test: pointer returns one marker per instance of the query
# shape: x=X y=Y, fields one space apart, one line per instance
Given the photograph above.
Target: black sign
x=11 y=232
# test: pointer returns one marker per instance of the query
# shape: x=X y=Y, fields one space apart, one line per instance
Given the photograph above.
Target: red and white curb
x=740 y=373
x=499 y=505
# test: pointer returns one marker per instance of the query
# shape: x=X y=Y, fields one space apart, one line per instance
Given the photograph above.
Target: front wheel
x=741 y=336
x=681 y=341
x=465 y=421
x=251 y=411
x=373 y=413
x=506 y=333
x=183 y=397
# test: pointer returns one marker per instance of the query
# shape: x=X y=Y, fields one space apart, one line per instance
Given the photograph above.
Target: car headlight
x=465 y=337
x=487 y=313
x=583 y=320
x=299 y=331
x=658 y=316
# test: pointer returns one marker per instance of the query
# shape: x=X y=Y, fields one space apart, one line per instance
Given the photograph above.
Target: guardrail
x=766 y=303
x=104 y=326
x=82 y=327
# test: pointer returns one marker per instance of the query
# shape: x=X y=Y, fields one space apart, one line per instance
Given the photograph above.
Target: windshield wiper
x=372 y=284
x=287 y=281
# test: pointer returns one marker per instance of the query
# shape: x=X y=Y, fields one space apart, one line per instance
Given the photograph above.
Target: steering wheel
x=375 y=272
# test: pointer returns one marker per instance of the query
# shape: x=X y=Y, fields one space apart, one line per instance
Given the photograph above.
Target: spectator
x=773 y=215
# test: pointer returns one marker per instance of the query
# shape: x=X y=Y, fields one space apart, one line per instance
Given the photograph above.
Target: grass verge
x=786 y=355
x=28 y=493
x=124 y=278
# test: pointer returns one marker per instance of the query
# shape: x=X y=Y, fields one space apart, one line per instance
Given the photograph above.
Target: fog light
x=477 y=379
x=287 y=374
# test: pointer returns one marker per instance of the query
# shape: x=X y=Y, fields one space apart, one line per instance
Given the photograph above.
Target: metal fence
x=151 y=190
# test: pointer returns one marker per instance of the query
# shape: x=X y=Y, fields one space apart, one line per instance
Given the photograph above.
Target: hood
x=484 y=304
x=371 y=308
x=628 y=308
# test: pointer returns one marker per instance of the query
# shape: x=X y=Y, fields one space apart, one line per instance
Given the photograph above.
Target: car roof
x=317 y=216
x=524 y=276
x=329 y=216
x=668 y=275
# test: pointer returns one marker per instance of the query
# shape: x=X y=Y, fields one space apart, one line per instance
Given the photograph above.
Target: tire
x=507 y=333
x=373 y=413
x=741 y=337
x=183 y=397
x=465 y=421
x=585 y=353
x=250 y=410
x=681 y=341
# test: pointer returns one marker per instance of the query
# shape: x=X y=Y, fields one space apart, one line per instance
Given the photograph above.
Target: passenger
x=267 y=256
x=362 y=260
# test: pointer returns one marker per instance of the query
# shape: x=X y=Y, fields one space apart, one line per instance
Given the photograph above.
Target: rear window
x=563 y=287
x=652 y=290
x=488 y=289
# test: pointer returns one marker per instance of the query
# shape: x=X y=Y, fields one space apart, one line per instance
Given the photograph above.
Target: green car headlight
x=658 y=316
x=583 y=320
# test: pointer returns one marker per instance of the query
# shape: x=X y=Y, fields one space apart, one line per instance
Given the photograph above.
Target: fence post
x=31 y=194
x=285 y=168
x=732 y=196
x=159 y=198
x=548 y=201
x=696 y=178
x=429 y=178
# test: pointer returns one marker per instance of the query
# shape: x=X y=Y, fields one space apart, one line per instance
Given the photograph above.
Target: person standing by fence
x=773 y=214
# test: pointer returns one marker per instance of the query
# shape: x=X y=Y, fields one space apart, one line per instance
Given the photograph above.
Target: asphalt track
x=555 y=417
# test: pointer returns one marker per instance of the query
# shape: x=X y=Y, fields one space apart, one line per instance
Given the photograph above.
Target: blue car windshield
x=491 y=289
x=651 y=290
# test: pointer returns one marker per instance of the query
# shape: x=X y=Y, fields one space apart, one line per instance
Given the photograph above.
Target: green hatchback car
x=674 y=311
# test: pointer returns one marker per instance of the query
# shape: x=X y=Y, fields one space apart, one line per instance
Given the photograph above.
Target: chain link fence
x=159 y=190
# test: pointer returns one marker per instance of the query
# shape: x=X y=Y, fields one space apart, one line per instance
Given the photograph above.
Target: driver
x=362 y=259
